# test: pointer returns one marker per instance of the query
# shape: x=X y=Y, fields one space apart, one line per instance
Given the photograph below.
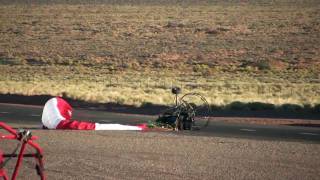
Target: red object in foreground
x=25 y=138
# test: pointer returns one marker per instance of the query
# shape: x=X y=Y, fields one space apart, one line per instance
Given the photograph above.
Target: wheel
x=179 y=124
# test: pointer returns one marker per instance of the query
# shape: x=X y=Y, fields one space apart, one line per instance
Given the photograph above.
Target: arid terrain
x=134 y=52
x=251 y=57
x=255 y=61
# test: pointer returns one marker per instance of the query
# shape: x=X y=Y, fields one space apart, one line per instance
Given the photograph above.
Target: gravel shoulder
x=163 y=155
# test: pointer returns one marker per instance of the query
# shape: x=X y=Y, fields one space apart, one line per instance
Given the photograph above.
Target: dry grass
x=133 y=54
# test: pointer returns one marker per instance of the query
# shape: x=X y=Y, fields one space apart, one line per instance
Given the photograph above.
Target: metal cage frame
x=25 y=139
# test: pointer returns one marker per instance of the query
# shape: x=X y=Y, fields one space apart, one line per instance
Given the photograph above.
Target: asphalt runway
x=24 y=116
x=220 y=151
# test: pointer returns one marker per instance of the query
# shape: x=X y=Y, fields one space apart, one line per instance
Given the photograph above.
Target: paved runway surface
x=18 y=115
x=221 y=151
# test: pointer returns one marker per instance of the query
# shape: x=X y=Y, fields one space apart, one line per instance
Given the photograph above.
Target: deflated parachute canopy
x=57 y=114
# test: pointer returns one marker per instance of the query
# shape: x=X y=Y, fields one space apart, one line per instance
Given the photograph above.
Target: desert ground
x=246 y=56
x=133 y=52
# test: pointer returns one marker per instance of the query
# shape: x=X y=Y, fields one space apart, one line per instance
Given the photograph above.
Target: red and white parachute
x=57 y=114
